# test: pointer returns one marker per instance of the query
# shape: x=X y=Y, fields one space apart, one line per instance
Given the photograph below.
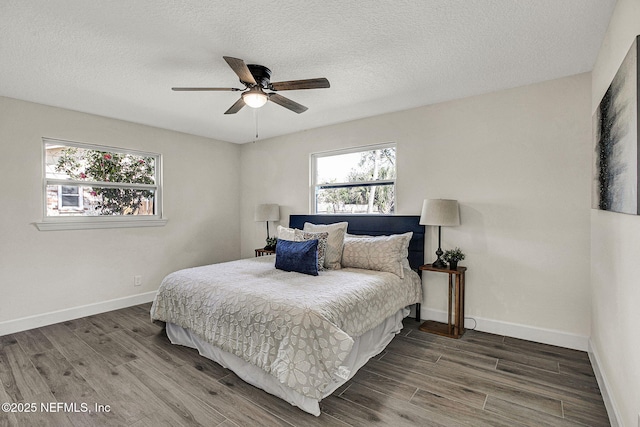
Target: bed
x=299 y=336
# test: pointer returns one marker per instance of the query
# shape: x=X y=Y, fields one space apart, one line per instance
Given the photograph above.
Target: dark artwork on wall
x=615 y=131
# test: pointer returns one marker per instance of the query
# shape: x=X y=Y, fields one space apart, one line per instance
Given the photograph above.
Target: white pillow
x=405 y=251
x=380 y=253
x=335 y=242
x=285 y=233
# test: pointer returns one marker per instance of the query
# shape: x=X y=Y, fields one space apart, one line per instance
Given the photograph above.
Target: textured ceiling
x=119 y=58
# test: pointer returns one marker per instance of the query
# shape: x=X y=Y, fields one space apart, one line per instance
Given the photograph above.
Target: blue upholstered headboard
x=375 y=225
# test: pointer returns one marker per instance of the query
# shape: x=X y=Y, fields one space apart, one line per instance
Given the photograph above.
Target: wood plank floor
x=121 y=360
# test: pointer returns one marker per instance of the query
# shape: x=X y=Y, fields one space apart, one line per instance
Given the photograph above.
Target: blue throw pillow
x=301 y=257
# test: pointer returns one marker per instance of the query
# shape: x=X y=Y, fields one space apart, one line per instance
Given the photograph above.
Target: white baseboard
x=30 y=322
x=525 y=332
x=612 y=410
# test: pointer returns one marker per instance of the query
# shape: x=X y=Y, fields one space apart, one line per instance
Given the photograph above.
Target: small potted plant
x=452 y=256
x=271 y=243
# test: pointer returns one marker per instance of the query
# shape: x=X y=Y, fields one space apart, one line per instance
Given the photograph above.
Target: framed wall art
x=615 y=132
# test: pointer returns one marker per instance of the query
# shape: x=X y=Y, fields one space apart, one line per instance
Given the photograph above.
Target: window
x=91 y=186
x=70 y=198
x=360 y=180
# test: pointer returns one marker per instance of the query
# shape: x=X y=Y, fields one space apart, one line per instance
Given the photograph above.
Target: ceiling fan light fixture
x=256 y=79
x=255 y=98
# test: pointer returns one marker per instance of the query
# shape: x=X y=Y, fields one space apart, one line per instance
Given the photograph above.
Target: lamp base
x=439 y=263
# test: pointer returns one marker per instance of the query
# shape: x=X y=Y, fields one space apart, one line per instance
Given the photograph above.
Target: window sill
x=95 y=224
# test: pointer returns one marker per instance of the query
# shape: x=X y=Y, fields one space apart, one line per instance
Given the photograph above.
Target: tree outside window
x=356 y=181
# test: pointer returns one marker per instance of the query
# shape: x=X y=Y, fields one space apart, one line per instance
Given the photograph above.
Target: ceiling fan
x=257 y=79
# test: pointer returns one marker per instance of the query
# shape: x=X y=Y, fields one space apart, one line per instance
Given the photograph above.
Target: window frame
x=52 y=223
x=314 y=187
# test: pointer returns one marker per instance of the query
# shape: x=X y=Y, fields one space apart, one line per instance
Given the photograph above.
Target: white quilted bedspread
x=296 y=327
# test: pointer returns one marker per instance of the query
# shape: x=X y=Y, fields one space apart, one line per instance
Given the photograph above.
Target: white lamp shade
x=267 y=212
x=440 y=212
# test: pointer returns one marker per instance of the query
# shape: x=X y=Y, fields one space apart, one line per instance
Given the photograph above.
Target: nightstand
x=262 y=252
x=454 y=328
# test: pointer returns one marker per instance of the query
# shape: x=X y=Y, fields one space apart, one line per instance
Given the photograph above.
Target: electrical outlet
x=137 y=280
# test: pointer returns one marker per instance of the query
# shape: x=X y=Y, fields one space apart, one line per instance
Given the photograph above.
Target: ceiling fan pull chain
x=255 y=115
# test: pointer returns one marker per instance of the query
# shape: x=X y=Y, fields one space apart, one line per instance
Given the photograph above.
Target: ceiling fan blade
x=236 y=107
x=225 y=89
x=318 y=83
x=240 y=68
x=287 y=103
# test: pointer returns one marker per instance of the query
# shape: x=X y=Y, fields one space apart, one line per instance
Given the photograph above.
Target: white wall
x=615 y=251
x=519 y=163
x=60 y=271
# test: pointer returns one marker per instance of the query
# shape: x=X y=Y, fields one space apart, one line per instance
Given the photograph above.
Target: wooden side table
x=454 y=328
x=262 y=252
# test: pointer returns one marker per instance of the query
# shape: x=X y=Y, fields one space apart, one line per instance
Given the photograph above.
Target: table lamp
x=267 y=212
x=440 y=212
